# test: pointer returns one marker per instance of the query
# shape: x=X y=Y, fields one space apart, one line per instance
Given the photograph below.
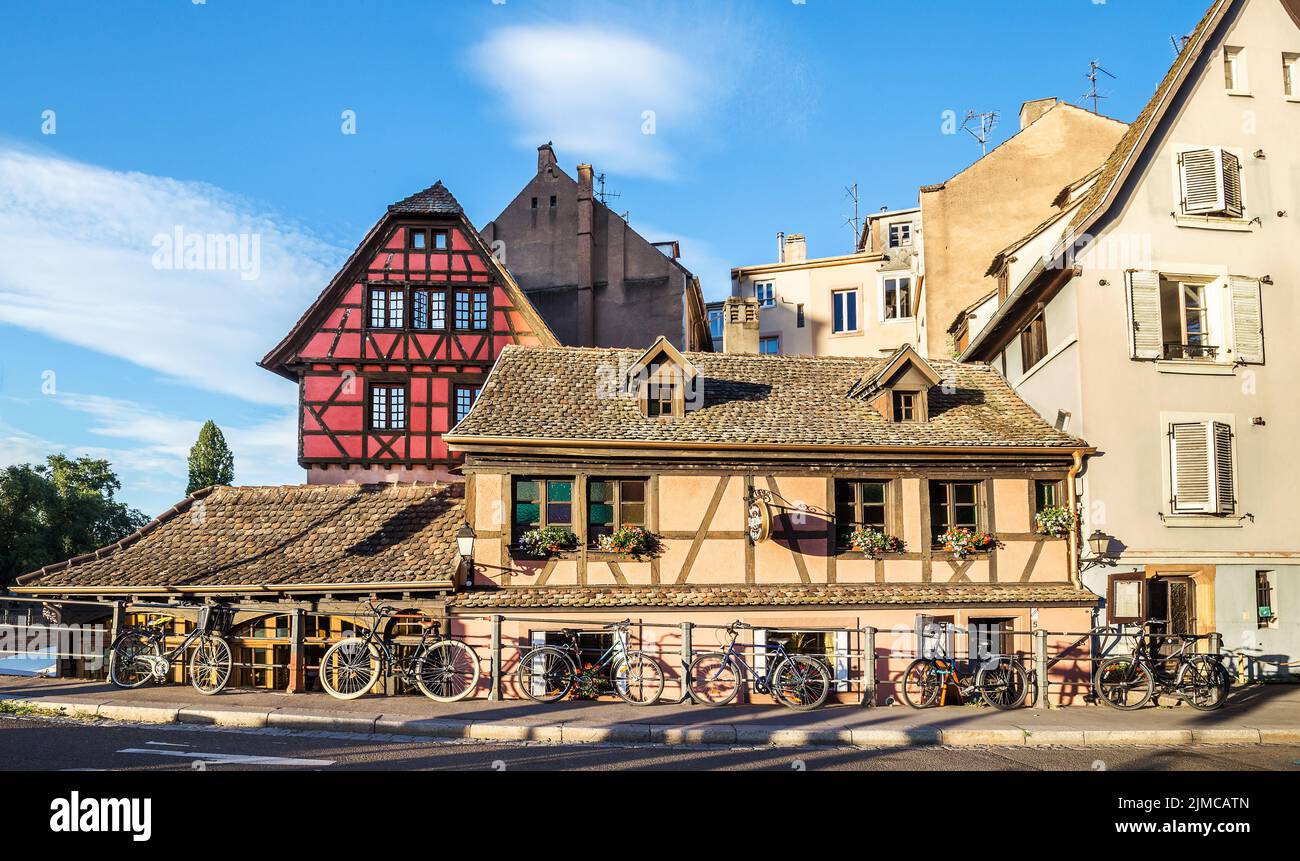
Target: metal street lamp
x=1099 y=543
x=465 y=544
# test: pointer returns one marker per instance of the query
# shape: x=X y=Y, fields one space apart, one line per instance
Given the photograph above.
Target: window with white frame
x=765 y=293
x=1195 y=318
x=900 y=234
x=1202 y=472
x=896 y=297
x=1210 y=183
x=1234 y=70
x=829 y=647
x=1291 y=76
x=844 y=305
x=715 y=325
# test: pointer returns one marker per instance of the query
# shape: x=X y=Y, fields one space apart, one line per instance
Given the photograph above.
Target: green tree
x=210 y=459
x=59 y=509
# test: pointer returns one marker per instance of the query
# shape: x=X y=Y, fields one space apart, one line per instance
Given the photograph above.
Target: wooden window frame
x=431 y=291
x=471 y=293
x=671 y=395
x=436 y=234
x=387 y=290
x=981 y=502
x=475 y=389
x=543 y=487
x=1058 y=486
x=856 y=482
x=897 y=225
x=903 y=408
x=390 y=386
x=411 y=233
x=616 y=503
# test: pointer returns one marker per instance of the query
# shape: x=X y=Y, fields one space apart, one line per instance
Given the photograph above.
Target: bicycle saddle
x=569 y=632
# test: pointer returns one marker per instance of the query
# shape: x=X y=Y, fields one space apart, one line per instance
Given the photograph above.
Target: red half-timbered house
x=395 y=350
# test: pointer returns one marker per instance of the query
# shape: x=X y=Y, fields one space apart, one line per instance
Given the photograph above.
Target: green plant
x=874 y=542
x=548 y=540
x=1055 y=520
x=961 y=542
x=628 y=539
x=590 y=684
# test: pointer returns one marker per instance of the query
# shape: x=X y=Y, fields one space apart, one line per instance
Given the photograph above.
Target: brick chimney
x=586 y=310
x=1032 y=110
x=545 y=157
x=796 y=248
x=740 y=325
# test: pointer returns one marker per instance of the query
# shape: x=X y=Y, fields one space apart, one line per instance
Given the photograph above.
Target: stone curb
x=661 y=734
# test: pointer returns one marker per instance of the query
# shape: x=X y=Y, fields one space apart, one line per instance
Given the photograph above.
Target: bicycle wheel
x=546 y=674
x=638 y=679
x=127 y=667
x=801 y=682
x=1003 y=683
x=1124 y=683
x=447 y=671
x=1204 y=683
x=210 y=665
x=713 y=678
x=349 y=668
x=921 y=684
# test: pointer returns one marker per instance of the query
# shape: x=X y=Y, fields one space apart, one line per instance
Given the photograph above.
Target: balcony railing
x=1179 y=350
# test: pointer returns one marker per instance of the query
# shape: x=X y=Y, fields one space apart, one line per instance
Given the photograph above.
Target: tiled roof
x=277 y=536
x=573 y=393
x=434 y=200
x=1132 y=140
x=913 y=594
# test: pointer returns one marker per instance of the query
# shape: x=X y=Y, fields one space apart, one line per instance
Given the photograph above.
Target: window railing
x=1179 y=350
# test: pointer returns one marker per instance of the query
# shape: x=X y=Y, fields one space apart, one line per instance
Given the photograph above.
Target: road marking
x=230 y=758
x=167 y=743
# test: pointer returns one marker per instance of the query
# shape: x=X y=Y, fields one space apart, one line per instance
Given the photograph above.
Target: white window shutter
x=760 y=651
x=1247 y=321
x=841 y=660
x=1201 y=171
x=538 y=638
x=1230 y=171
x=1225 y=485
x=1145 y=337
x=1191 y=478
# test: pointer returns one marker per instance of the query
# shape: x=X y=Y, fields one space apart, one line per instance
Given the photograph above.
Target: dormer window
x=417 y=239
x=904 y=406
x=663 y=381
x=899 y=388
x=661 y=400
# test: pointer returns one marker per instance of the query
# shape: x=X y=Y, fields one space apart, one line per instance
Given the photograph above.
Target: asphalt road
x=51 y=744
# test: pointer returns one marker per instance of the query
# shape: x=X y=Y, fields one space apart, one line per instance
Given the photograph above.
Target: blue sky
x=228 y=117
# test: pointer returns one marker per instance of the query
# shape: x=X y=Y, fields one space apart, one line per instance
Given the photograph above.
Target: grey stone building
x=595 y=280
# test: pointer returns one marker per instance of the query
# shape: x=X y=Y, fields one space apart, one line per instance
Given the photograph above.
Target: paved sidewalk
x=1254 y=715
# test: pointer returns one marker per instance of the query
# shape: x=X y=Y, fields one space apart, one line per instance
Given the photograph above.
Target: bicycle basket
x=215 y=619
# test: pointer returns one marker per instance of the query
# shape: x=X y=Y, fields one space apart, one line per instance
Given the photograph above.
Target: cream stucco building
x=1153 y=317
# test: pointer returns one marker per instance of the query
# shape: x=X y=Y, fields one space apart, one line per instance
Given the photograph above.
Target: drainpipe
x=1074 y=508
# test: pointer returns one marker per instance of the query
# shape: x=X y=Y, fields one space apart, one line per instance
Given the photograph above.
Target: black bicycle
x=999 y=680
x=139 y=655
x=1128 y=682
x=444 y=669
x=548 y=673
x=799 y=682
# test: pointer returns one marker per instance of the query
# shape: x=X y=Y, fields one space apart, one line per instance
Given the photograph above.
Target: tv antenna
x=1179 y=42
x=988 y=121
x=851 y=191
x=1093 y=68
x=605 y=196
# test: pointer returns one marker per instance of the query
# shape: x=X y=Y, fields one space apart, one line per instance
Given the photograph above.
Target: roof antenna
x=605 y=196
x=851 y=191
x=988 y=121
x=1093 y=68
x=1179 y=43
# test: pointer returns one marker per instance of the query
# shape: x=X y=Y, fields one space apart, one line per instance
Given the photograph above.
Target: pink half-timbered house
x=395 y=350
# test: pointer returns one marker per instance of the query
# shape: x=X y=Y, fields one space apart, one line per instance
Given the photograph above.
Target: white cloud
x=149 y=448
x=587 y=88
x=77 y=263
